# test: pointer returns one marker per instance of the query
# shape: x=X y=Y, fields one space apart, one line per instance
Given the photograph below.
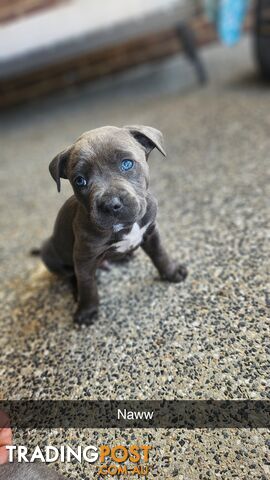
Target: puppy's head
x=108 y=170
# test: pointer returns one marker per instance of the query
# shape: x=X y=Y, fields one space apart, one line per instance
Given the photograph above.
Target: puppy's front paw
x=176 y=273
x=86 y=317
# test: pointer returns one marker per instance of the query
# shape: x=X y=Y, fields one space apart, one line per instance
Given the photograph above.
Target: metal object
x=262 y=36
x=188 y=40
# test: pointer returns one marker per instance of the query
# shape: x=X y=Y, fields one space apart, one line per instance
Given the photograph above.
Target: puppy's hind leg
x=125 y=258
x=56 y=266
x=120 y=260
x=53 y=262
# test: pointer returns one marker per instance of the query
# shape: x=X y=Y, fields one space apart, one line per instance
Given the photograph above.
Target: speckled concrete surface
x=208 y=337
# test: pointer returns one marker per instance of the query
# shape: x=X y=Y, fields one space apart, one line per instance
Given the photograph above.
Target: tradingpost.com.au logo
x=114 y=461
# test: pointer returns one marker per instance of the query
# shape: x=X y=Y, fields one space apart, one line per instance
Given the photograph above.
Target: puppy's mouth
x=113 y=224
x=118 y=222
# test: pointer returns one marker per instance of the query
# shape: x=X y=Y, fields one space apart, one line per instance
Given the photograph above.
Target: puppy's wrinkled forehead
x=105 y=143
x=105 y=146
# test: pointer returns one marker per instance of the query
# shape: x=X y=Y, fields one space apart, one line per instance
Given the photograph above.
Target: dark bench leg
x=188 y=41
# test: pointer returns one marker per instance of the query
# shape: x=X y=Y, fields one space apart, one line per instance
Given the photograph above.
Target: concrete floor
x=205 y=338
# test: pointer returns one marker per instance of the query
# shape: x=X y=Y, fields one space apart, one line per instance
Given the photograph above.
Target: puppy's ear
x=148 y=137
x=58 y=167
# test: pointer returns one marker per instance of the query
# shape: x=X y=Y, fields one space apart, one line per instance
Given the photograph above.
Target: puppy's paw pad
x=86 y=317
x=177 y=274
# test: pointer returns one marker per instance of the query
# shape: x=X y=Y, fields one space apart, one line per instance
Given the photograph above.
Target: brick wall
x=10 y=10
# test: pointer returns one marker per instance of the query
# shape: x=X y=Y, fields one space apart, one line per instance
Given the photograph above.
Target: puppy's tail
x=35 y=252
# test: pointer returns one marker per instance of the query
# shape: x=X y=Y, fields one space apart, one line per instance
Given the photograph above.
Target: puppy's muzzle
x=118 y=205
x=111 y=205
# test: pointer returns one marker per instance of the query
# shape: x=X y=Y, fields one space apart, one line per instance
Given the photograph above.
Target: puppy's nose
x=112 y=205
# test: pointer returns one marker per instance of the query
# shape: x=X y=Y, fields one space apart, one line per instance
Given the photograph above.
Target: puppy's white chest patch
x=132 y=239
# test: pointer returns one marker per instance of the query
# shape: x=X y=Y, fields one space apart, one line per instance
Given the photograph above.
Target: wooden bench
x=99 y=52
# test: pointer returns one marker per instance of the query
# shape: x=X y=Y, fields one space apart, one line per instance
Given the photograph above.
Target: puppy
x=28 y=471
x=111 y=213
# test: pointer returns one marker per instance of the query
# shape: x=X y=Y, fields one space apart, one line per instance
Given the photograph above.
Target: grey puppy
x=111 y=213
x=28 y=471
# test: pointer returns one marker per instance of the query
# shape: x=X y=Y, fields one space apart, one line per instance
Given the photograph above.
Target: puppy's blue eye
x=80 y=182
x=127 y=165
